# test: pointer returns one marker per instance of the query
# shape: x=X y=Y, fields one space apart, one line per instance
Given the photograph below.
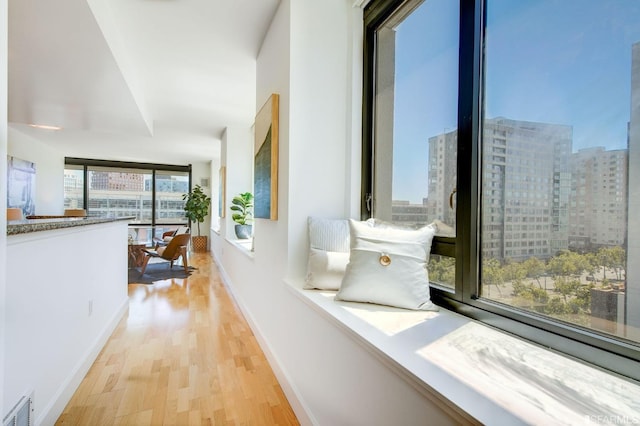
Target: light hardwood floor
x=183 y=355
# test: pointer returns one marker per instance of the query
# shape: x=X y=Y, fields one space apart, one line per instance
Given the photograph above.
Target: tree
x=566 y=287
x=534 y=268
x=592 y=259
x=619 y=257
x=605 y=260
x=492 y=274
x=442 y=270
x=514 y=271
x=583 y=297
x=568 y=263
x=196 y=207
x=556 y=306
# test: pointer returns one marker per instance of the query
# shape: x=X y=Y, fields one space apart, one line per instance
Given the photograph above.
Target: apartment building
x=598 y=207
x=633 y=247
x=526 y=184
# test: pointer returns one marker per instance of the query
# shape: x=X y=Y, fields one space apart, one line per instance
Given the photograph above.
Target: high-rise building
x=598 y=212
x=117 y=181
x=442 y=176
x=408 y=214
x=526 y=186
x=633 y=239
x=525 y=189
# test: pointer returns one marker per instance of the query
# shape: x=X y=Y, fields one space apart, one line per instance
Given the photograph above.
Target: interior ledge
x=484 y=372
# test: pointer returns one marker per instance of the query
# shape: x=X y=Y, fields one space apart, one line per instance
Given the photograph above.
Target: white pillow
x=328 y=253
x=388 y=266
x=326 y=269
x=329 y=234
x=181 y=230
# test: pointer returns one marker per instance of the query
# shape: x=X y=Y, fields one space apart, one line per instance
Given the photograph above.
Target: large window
x=516 y=125
x=120 y=193
x=416 y=114
x=73 y=187
x=170 y=186
x=149 y=193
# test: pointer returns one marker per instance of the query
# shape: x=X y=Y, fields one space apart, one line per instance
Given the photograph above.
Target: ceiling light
x=45 y=127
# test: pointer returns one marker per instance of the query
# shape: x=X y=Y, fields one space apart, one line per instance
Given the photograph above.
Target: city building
x=442 y=176
x=414 y=215
x=633 y=239
x=116 y=181
x=526 y=183
x=598 y=206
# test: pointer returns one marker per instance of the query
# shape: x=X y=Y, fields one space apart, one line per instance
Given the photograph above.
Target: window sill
x=244 y=246
x=481 y=371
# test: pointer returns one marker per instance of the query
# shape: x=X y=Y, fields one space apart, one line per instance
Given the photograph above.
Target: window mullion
x=469 y=119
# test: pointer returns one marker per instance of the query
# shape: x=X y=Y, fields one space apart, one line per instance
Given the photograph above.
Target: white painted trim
x=66 y=390
x=360 y=3
x=288 y=387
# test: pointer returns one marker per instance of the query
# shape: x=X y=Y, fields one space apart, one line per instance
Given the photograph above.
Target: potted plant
x=243 y=214
x=196 y=209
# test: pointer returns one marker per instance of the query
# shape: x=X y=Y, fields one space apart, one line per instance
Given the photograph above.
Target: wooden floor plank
x=183 y=355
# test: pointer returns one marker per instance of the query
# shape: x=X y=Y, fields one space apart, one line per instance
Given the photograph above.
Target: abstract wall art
x=21 y=185
x=265 y=171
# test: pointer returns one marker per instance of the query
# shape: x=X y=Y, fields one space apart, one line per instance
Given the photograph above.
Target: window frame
x=597 y=348
x=118 y=166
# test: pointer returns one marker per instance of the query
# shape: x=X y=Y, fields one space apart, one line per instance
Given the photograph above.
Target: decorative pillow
x=326 y=269
x=328 y=253
x=181 y=230
x=329 y=234
x=388 y=266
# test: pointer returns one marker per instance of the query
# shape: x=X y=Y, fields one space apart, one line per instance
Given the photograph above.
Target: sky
x=553 y=61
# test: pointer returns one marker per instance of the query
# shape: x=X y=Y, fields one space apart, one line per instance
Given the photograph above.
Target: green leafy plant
x=242 y=205
x=197 y=205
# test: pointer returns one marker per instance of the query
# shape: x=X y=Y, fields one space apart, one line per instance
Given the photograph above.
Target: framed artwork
x=222 y=192
x=21 y=185
x=265 y=170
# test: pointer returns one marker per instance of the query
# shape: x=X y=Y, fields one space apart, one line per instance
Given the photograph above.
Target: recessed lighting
x=45 y=127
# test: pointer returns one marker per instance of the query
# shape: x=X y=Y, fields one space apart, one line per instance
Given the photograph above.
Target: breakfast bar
x=66 y=292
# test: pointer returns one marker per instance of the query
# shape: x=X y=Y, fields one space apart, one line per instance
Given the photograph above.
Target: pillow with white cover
x=328 y=253
x=388 y=266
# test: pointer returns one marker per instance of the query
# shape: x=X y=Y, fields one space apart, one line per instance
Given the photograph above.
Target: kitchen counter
x=15 y=227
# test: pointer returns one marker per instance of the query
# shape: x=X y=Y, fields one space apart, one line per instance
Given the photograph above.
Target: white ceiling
x=135 y=80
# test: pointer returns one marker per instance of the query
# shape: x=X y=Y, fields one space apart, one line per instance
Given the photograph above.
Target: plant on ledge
x=243 y=214
x=196 y=208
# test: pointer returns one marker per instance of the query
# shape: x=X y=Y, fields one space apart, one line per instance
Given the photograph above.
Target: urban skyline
x=548 y=61
x=539 y=197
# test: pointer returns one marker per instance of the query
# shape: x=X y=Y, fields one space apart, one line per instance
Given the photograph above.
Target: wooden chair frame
x=177 y=247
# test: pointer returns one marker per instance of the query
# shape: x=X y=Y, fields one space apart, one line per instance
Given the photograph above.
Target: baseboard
x=293 y=395
x=52 y=411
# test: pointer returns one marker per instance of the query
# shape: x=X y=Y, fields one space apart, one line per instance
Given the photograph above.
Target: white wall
x=49 y=170
x=237 y=147
x=53 y=335
x=214 y=167
x=311 y=56
x=4 y=24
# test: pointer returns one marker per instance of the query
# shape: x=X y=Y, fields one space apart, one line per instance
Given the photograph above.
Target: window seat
x=492 y=376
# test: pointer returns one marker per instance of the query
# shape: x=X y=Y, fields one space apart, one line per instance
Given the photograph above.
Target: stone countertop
x=15 y=227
